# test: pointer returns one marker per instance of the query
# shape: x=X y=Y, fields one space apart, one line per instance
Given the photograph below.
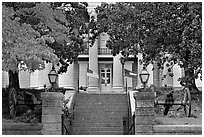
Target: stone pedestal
x=144 y=112
x=52 y=103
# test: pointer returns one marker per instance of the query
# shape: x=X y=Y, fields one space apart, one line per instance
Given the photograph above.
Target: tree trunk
x=190 y=80
x=14 y=79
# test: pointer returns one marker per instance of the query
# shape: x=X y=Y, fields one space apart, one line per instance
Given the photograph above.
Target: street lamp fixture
x=122 y=60
x=53 y=76
x=144 y=76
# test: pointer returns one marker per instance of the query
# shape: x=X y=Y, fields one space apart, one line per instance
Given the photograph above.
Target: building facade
x=107 y=68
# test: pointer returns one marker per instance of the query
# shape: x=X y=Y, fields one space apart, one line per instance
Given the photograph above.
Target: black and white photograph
x=101 y=67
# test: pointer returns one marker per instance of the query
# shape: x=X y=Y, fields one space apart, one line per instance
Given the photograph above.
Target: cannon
x=29 y=97
x=170 y=101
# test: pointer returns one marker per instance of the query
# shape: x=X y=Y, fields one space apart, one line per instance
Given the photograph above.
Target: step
x=106 y=109
x=94 y=124
x=102 y=114
x=96 y=102
x=78 y=116
x=99 y=114
x=98 y=118
x=102 y=101
x=76 y=129
x=99 y=121
x=99 y=133
x=95 y=98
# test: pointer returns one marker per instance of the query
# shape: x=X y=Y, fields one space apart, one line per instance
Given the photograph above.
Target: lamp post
x=53 y=77
x=122 y=61
x=144 y=76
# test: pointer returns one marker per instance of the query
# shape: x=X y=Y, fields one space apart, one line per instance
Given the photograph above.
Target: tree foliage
x=38 y=32
x=163 y=31
x=21 y=43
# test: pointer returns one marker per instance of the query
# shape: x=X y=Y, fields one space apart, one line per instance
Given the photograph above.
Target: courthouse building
x=108 y=72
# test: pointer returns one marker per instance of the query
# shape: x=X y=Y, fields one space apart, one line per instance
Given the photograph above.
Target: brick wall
x=144 y=112
x=51 y=113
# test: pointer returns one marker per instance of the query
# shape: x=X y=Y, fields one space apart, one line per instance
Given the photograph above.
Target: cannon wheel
x=187 y=102
x=12 y=101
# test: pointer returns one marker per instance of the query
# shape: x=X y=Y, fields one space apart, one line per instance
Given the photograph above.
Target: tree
x=37 y=32
x=163 y=32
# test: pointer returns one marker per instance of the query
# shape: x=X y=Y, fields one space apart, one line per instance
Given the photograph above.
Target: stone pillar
x=93 y=65
x=117 y=74
x=144 y=112
x=52 y=103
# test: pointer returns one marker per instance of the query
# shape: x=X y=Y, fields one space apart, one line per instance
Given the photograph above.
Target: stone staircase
x=99 y=114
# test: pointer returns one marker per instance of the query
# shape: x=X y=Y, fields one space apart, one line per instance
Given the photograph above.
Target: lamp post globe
x=144 y=76
x=122 y=60
x=53 y=76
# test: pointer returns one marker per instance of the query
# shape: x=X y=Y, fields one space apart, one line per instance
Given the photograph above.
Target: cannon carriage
x=12 y=98
x=184 y=102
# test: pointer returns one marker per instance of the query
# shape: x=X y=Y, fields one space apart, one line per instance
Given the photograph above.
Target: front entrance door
x=105 y=78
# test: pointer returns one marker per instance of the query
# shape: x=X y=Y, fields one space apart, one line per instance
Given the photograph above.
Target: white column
x=93 y=65
x=140 y=66
x=43 y=76
x=5 y=79
x=149 y=69
x=177 y=74
x=24 y=79
x=34 y=79
x=156 y=74
x=67 y=79
x=83 y=80
x=76 y=75
x=198 y=82
x=117 y=74
x=128 y=66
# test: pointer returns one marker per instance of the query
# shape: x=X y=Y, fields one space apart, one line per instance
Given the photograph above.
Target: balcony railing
x=104 y=51
x=101 y=51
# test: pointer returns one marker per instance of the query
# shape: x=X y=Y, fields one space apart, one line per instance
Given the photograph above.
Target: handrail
x=129 y=121
x=64 y=127
x=67 y=118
